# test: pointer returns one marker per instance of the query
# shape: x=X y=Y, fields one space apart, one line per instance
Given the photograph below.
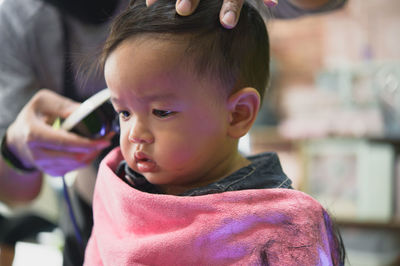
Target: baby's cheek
x=126 y=150
x=175 y=153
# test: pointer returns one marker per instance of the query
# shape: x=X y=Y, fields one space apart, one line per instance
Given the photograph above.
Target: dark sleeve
x=17 y=79
x=286 y=10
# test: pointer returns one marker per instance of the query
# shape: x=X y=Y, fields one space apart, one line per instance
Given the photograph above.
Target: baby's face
x=173 y=125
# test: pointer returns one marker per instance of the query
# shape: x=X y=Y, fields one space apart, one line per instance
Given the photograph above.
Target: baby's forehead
x=153 y=67
x=178 y=52
x=173 y=41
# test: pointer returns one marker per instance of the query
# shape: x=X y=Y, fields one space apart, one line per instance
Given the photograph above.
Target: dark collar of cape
x=264 y=172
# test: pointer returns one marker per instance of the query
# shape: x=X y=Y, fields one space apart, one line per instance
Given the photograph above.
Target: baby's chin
x=161 y=179
x=155 y=177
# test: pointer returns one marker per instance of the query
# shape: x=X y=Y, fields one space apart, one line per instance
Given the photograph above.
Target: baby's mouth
x=139 y=155
x=144 y=163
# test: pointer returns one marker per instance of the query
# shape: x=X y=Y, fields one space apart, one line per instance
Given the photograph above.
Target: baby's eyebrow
x=114 y=100
x=158 y=97
x=150 y=98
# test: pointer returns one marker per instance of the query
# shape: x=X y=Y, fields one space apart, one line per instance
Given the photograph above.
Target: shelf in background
x=391 y=225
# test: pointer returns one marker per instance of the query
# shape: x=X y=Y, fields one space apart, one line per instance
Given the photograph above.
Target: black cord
x=71 y=212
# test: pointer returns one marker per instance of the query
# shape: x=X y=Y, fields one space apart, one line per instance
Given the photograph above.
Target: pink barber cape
x=248 y=227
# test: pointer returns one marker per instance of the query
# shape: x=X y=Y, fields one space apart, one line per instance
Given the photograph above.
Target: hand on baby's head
x=229 y=14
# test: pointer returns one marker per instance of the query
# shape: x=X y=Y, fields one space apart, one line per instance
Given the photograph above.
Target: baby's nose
x=139 y=134
x=140 y=140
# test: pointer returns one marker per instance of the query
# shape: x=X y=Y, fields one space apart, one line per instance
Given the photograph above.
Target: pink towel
x=248 y=227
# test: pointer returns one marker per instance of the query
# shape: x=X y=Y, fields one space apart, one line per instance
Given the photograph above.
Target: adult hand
x=228 y=16
x=37 y=144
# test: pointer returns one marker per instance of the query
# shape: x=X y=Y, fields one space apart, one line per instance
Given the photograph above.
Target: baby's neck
x=235 y=163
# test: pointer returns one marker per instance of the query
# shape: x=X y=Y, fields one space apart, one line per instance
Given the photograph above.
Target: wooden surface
x=6 y=255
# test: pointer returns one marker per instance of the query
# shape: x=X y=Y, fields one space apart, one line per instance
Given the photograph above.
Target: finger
x=186 y=7
x=46 y=137
x=229 y=14
x=61 y=169
x=87 y=158
x=58 y=163
x=150 y=2
x=109 y=136
x=60 y=166
x=270 y=3
x=45 y=156
x=49 y=103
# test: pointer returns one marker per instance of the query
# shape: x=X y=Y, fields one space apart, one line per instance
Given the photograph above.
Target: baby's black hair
x=237 y=57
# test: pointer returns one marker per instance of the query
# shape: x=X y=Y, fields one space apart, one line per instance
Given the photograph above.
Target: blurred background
x=333 y=115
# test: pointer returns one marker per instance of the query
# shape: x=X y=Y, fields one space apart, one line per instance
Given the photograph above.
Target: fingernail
x=184 y=7
x=149 y=2
x=271 y=3
x=229 y=19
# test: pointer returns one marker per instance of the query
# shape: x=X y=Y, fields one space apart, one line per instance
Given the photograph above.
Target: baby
x=178 y=191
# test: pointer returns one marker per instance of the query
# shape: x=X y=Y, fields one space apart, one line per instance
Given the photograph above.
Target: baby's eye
x=162 y=113
x=124 y=114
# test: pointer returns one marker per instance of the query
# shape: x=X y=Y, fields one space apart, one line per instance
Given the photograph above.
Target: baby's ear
x=243 y=107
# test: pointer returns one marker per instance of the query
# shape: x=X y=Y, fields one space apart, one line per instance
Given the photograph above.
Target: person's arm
x=18 y=187
x=30 y=136
x=36 y=144
x=17 y=84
